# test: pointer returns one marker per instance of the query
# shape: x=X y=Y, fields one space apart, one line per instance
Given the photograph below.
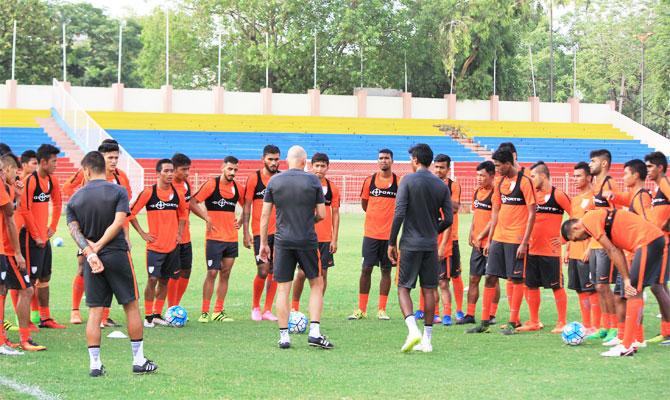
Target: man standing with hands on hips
x=298 y=198
x=421 y=196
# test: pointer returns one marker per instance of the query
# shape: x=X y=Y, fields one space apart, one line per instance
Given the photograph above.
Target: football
x=573 y=333
x=176 y=316
x=297 y=322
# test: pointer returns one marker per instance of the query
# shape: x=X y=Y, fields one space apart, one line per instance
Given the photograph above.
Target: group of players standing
x=515 y=235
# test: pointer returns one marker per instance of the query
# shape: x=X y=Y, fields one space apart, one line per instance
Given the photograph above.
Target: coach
x=95 y=216
x=298 y=198
x=421 y=195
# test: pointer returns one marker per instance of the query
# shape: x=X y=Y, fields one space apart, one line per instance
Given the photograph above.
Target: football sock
x=665 y=328
x=158 y=306
x=410 y=321
x=596 y=313
x=639 y=334
x=509 y=287
x=45 y=313
x=295 y=305
x=205 y=305
x=472 y=308
x=218 y=306
x=585 y=308
x=148 y=308
x=633 y=310
x=270 y=294
x=621 y=326
x=383 y=299
x=458 y=292
x=138 y=351
x=172 y=290
x=259 y=284
x=533 y=299
x=181 y=288
x=517 y=299
x=24 y=334
x=284 y=336
x=561 y=299
x=487 y=299
x=77 y=291
x=314 y=329
x=105 y=314
x=94 y=356
x=447 y=309
x=363 y=302
x=427 y=332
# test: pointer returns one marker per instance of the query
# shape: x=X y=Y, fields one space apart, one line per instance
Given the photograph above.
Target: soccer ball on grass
x=176 y=316
x=573 y=333
x=297 y=322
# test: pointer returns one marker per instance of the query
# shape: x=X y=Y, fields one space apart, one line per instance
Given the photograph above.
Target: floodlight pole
x=14 y=50
x=167 y=47
x=64 y=56
x=532 y=71
x=118 y=68
x=267 y=59
x=218 y=71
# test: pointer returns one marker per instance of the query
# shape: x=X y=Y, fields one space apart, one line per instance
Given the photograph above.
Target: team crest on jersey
x=33 y=269
x=3 y=274
x=585 y=203
x=325 y=189
x=209 y=263
x=151 y=269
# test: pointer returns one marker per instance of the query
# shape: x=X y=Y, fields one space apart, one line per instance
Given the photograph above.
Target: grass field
x=241 y=359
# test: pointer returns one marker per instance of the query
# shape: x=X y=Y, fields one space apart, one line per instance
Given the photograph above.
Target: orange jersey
x=660 y=212
x=324 y=228
x=628 y=231
x=184 y=188
x=580 y=204
x=600 y=202
x=254 y=193
x=6 y=197
x=548 y=219
x=220 y=206
x=380 y=193
x=513 y=196
x=164 y=210
x=455 y=189
x=34 y=205
x=639 y=202
x=76 y=181
x=481 y=213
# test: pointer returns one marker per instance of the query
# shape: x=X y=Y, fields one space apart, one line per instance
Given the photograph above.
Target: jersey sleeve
x=495 y=199
x=243 y=193
x=73 y=183
x=564 y=201
x=56 y=204
x=125 y=182
x=365 y=190
x=139 y=204
x=643 y=205
x=594 y=222
x=249 y=188
x=528 y=192
x=205 y=191
x=456 y=192
x=622 y=198
x=335 y=202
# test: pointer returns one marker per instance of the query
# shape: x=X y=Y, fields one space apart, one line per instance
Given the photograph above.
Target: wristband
x=88 y=258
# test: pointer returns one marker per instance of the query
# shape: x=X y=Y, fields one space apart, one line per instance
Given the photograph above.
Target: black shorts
x=502 y=261
x=477 y=263
x=327 y=259
x=118 y=279
x=38 y=259
x=455 y=259
x=11 y=276
x=579 y=276
x=185 y=256
x=544 y=271
x=286 y=260
x=257 y=249
x=215 y=251
x=375 y=253
x=601 y=269
x=649 y=264
x=418 y=264
x=163 y=265
x=447 y=268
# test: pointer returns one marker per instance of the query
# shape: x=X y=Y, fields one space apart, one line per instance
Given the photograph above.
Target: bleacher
x=20 y=130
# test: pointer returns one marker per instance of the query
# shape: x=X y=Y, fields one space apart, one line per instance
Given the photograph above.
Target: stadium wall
x=251 y=103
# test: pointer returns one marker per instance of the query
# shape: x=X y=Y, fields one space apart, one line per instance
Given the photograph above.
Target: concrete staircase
x=73 y=152
x=462 y=139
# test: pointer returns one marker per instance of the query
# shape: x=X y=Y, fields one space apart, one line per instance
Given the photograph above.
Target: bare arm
x=320 y=214
x=364 y=204
x=8 y=215
x=83 y=244
x=197 y=208
x=336 y=223
x=492 y=227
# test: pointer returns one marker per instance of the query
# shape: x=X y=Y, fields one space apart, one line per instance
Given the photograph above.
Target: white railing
x=88 y=135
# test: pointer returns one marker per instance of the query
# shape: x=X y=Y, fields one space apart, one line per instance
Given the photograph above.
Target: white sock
x=94 y=355
x=410 y=321
x=284 y=336
x=427 y=333
x=138 y=352
x=315 y=329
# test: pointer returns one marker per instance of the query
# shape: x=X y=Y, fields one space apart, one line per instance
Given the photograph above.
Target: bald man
x=300 y=203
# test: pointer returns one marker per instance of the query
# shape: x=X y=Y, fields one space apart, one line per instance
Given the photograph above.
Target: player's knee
x=262 y=273
x=211 y=274
x=474 y=280
x=367 y=271
x=490 y=281
x=386 y=272
x=42 y=284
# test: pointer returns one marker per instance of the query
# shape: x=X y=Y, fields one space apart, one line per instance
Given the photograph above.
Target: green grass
x=241 y=359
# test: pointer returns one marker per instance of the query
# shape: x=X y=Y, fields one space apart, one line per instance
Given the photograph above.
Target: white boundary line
x=33 y=391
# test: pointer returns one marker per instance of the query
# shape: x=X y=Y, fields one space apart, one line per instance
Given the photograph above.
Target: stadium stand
x=20 y=130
